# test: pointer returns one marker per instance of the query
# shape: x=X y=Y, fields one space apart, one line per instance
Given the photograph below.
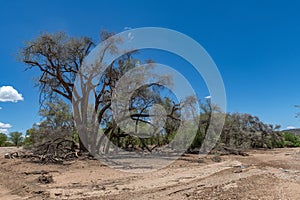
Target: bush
x=3 y=139
x=291 y=140
x=8 y=144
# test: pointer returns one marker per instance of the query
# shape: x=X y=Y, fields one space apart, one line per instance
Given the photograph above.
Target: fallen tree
x=56 y=151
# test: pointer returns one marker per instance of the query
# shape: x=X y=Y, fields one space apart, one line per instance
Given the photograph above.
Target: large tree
x=61 y=61
x=58 y=58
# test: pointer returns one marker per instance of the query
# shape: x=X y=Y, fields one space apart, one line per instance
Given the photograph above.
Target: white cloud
x=207 y=97
x=0 y=108
x=9 y=94
x=2 y=125
x=291 y=127
x=4 y=128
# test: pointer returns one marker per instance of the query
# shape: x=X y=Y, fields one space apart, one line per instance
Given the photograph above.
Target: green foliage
x=200 y=135
x=291 y=140
x=57 y=114
x=57 y=123
x=16 y=138
x=239 y=131
x=3 y=139
x=30 y=136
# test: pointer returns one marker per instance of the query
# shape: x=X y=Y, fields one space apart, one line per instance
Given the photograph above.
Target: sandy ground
x=271 y=174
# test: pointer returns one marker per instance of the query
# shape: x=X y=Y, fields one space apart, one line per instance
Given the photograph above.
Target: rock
x=216 y=159
x=284 y=170
x=58 y=193
x=45 y=179
x=238 y=171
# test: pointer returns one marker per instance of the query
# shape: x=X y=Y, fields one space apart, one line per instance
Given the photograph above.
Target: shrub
x=291 y=140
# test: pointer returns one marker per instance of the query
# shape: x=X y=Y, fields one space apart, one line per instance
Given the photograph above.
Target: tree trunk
x=82 y=147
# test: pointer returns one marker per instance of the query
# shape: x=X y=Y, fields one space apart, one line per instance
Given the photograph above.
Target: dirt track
x=272 y=174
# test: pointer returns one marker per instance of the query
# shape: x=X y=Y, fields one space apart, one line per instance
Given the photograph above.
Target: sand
x=265 y=174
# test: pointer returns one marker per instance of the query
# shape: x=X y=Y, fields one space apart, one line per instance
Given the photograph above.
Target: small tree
x=31 y=135
x=291 y=139
x=16 y=138
x=57 y=123
x=3 y=139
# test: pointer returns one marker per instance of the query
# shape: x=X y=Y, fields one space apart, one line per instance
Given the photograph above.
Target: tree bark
x=82 y=147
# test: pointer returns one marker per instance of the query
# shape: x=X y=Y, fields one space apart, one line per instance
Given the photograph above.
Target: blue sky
x=255 y=45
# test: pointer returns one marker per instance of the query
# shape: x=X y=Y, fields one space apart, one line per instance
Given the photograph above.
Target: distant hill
x=295 y=131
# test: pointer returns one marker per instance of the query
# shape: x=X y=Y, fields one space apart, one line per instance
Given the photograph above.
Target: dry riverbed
x=264 y=174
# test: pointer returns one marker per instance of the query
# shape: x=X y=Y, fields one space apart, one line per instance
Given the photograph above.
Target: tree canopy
x=3 y=139
x=60 y=59
x=91 y=87
x=16 y=138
